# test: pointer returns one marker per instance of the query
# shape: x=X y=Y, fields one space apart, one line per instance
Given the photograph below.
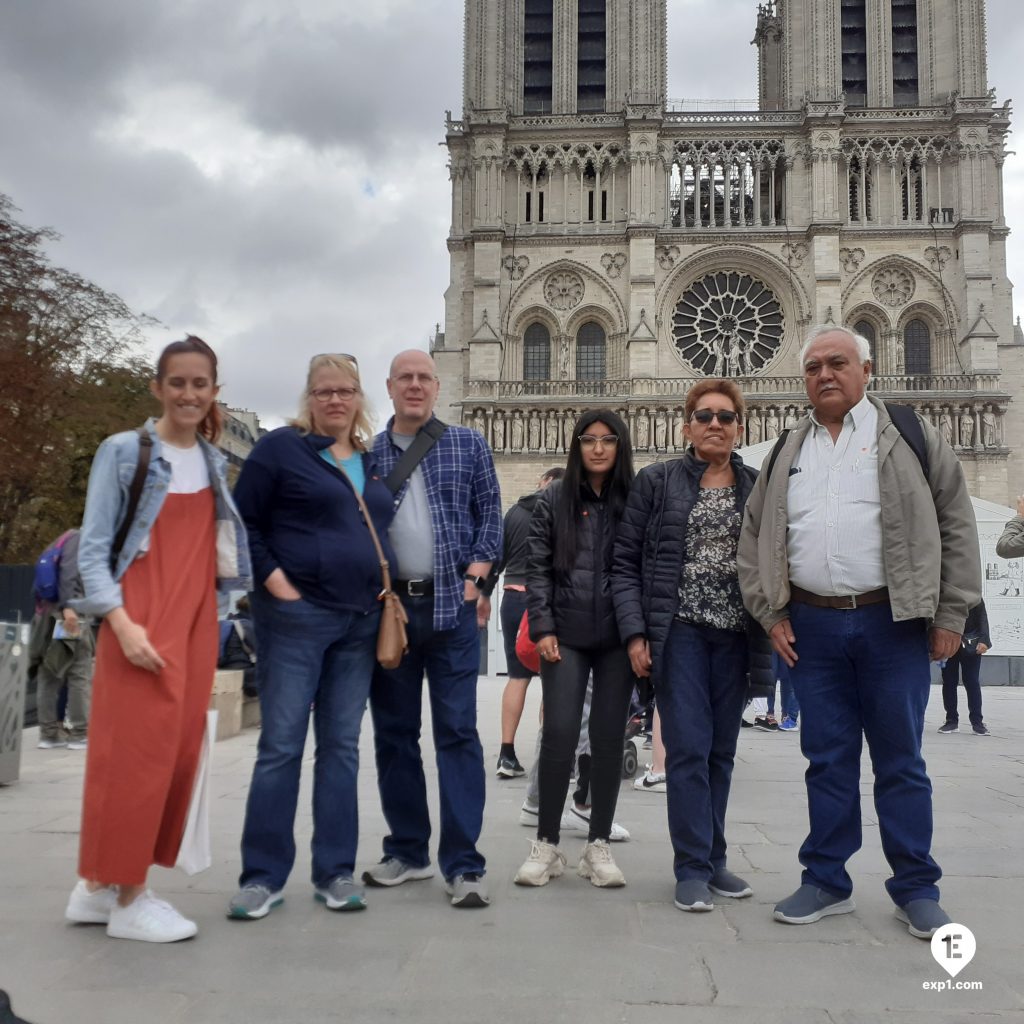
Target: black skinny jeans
x=970 y=665
x=565 y=686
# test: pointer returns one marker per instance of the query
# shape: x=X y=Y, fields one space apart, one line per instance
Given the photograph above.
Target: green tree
x=70 y=374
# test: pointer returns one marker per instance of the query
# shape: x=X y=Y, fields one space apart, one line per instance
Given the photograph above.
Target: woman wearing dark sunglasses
x=679 y=607
x=572 y=621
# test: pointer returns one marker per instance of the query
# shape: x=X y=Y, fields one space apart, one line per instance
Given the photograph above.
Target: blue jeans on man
x=451 y=660
x=860 y=674
x=309 y=655
x=700 y=694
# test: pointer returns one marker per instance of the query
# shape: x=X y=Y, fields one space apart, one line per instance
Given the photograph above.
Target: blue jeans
x=308 y=655
x=790 y=705
x=451 y=660
x=700 y=695
x=860 y=673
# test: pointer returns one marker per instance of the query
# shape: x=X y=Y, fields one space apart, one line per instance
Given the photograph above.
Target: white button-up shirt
x=834 y=541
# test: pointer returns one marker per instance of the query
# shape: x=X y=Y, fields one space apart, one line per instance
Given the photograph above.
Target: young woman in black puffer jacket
x=572 y=620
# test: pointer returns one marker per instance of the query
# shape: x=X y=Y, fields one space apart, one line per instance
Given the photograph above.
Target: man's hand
x=782 y=639
x=281 y=587
x=547 y=648
x=639 y=651
x=71 y=624
x=982 y=648
x=942 y=643
x=483 y=611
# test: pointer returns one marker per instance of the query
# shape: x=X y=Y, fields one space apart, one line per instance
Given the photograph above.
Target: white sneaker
x=651 y=782
x=148 y=919
x=78 y=744
x=575 y=820
x=51 y=744
x=599 y=866
x=86 y=907
x=529 y=816
x=544 y=863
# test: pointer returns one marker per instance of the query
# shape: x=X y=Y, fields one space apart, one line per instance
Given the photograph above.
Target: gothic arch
x=922 y=310
x=596 y=295
x=873 y=313
x=939 y=293
x=536 y=313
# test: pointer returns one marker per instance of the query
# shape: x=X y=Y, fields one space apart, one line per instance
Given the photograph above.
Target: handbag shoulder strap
x=385 y=566
x=134 y=493
x=426 y=437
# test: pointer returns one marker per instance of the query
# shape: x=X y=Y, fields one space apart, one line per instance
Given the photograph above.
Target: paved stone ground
x=567 y=952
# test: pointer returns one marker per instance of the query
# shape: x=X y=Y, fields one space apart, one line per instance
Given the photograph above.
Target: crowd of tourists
x=852 y=559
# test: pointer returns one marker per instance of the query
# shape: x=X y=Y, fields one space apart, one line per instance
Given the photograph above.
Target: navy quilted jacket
x=649 y=549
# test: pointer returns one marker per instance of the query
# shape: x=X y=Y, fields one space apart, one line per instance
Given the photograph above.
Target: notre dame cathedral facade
x=609 y=250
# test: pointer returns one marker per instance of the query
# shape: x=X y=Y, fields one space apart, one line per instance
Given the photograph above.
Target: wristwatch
x=478 y=581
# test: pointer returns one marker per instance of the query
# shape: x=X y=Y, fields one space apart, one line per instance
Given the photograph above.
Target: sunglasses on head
x=339 y=355
x=725 y=416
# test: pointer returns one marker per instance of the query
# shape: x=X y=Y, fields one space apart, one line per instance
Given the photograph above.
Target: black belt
x=413 y=588
x=846 y=602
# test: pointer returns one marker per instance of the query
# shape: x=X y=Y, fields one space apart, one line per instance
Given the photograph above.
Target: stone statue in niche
x=753 y=427
x=967 y=428
x=563 y=359
x=678 y=437
x=534 y=431
x=498 y=430
x=643 y=430
x=568 y=422
x=771 y=424
x=479 y=423
x=946 y=426
x=551 y=432
x=792 y=417
x=989 y=428
x=518 y=431
x=661 y=431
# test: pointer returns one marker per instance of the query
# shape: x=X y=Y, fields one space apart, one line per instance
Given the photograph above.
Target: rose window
x=728 y=325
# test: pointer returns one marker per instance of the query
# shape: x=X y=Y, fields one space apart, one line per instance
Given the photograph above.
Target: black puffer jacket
x=649 y=552
x=577 y=606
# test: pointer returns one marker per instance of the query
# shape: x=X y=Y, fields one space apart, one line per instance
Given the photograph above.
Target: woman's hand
x=982 y=647
x=134 y=641
x=547 y=648
x=639 y=651
x=281 y=587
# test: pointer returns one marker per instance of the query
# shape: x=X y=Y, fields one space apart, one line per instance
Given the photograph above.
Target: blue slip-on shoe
x=725 y=883
x=923 y=918
x=693 y=894
x=809 y=904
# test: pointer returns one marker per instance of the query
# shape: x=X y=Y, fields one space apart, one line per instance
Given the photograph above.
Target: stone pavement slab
x=567 y=952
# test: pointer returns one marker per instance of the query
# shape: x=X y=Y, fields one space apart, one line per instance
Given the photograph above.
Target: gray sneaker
x=694 y=895
x=922 y=917
x=252 y=902
x=468 y=890
x=392 y=871
x=342 y=894
x=809 y=904
x=725 y=883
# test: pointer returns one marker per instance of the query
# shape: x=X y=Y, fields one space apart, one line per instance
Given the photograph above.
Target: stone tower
x=608 y=249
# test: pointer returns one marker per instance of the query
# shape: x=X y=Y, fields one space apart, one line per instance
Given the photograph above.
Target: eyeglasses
x=724 y=416
x=324 y=395
x=592 y=440
x=407 y=379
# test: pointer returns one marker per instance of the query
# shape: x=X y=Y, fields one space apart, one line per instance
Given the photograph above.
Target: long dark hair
x=568 y=507
x=211 y=425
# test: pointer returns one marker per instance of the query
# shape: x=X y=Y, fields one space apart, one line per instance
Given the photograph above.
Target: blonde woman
x=316 y=615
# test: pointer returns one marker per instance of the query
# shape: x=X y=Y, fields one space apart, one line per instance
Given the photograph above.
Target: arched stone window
x=917 y=347
x=590 y=352
x=866 y=329
x=537 y=353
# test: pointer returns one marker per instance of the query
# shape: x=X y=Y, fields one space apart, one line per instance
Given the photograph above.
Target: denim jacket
x=106 y=503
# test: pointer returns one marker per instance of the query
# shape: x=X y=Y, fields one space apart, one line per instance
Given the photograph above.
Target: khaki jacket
x=1011 y=543
x=929 y=536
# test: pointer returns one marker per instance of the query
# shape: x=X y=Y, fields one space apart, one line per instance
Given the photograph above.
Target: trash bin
x=13 y=660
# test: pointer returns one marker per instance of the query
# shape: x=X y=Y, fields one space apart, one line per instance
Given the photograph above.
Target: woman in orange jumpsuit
x=157 y=651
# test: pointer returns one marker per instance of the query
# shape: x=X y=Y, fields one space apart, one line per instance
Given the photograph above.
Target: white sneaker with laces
x=575 y=820
x=544 y=863
x=86 y=907
x=652 y=782
x=599 y=866
x=149 y=919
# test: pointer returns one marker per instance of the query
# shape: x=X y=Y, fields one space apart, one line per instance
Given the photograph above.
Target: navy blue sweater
x=302 y=516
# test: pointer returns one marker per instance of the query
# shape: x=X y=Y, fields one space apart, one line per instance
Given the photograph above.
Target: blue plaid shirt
x=465 y=509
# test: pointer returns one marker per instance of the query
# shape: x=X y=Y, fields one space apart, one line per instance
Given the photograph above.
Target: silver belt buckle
x=416 y=588
x=852 y=598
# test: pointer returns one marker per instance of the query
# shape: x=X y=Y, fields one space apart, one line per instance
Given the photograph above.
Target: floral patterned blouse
x=709 y=587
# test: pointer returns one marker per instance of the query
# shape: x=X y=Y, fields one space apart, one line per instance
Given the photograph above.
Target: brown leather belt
x=846 y=603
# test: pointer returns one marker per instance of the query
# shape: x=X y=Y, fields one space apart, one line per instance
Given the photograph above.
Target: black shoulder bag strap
x=426 y=437
x=773 y=458
x=905 y=420
x=134 y=494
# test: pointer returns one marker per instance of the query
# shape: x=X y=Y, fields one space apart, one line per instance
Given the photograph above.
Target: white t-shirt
x=189 y=472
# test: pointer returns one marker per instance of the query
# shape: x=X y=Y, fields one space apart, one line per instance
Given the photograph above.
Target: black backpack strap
x=905 y=420
x=426 y=437
x=773 y=458
x=134 y=494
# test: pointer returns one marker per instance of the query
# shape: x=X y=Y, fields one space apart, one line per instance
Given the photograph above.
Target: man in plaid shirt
x=452 y=498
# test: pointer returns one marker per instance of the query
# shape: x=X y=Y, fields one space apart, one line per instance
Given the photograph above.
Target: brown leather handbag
x=392 y=641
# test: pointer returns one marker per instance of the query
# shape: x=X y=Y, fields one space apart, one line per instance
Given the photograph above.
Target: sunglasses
x=724 y=416
x=339 y=355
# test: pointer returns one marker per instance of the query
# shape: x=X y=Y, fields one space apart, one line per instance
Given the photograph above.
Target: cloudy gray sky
x=267 y=174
